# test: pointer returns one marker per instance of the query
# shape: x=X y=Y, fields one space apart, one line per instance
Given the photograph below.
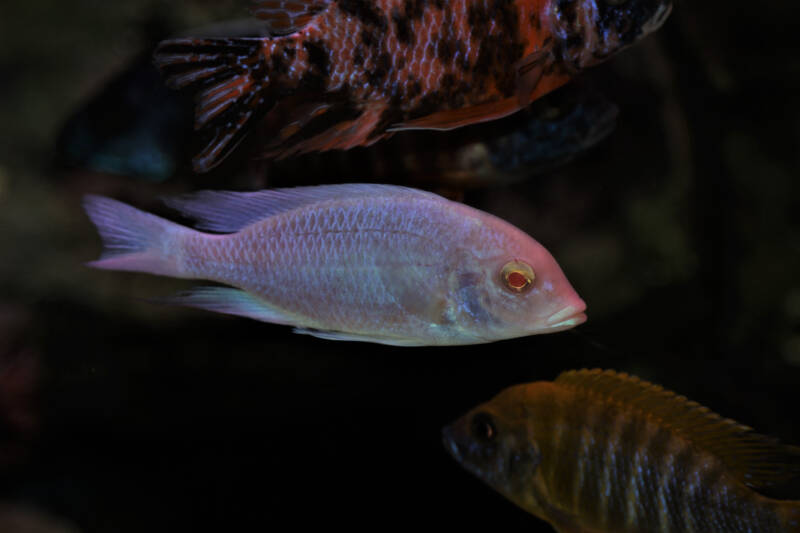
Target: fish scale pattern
x=411 y=53
x=338 y=265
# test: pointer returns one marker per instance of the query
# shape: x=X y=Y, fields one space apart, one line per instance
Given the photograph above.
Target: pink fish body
x=372 y=263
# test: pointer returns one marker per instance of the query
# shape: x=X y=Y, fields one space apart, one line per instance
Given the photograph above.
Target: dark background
x=680 y=231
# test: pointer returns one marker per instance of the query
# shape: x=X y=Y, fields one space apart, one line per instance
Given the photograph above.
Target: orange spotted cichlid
x=598 y=451
x=374 y=263
x=336 y=74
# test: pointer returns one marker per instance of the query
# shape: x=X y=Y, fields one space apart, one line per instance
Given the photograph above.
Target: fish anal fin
x=230 y=302
x=529 y=73
x=339 y=131
x=457 y=118
x=284 y=17
x=301 y=115
x=356 y=337
x=754 y=459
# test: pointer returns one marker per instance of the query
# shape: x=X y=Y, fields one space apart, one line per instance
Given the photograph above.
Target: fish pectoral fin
x=457 y=118
x=283 y=18
x=529 y=72
x=230 y=302
x=356 y=337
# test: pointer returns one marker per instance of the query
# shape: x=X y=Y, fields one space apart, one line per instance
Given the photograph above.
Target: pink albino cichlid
x=373 y=263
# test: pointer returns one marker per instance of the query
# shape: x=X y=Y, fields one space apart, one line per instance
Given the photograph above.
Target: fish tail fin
x=133 y=240
x=230 y=77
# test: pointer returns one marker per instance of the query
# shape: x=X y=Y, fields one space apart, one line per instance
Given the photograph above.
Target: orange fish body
x=343 y=73
x=598 y=451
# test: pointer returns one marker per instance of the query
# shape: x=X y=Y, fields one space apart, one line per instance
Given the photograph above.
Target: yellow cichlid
x=599 y=451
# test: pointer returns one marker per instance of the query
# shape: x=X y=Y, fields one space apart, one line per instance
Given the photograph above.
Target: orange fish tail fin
x=228 y=75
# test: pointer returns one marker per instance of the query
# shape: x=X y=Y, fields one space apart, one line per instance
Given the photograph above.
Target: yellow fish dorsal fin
x=756 y=460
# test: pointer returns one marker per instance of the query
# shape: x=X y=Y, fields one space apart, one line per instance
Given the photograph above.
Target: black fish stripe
x=675 y=476
x=573 y=420
x=703 y=504
x=592 y=459
x=613 y=509
x=650 y=478
x=581 y=441
x=633 y=492
x=583 y=452
x=624 y=475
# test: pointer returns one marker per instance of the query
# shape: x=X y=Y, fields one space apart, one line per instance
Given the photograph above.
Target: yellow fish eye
x=518 y=276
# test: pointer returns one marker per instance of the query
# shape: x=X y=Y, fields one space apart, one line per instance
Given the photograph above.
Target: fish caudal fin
x=133 y=240
x=231 y=96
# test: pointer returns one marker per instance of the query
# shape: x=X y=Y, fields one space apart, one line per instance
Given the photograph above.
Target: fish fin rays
x=355 y=337
x=133 y=240
x=228 y=211
x=284 y=17
x=230 y=95
x=323 y=127
x=457 y=118
x=756 y=460
x=229 y=301
x=529 y=73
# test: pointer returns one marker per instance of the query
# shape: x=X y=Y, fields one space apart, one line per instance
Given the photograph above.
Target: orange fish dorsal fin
x=287 y=16
x=456 y=118
x=756 y=460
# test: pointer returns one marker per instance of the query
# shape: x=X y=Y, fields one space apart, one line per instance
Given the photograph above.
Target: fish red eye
x=518 y=276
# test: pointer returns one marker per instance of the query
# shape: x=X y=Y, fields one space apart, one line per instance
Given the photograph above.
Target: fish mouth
x=450 y=443
x=568 y=317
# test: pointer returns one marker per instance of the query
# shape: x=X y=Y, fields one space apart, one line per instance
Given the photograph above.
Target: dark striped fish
x=597 y=451
x=337 y=74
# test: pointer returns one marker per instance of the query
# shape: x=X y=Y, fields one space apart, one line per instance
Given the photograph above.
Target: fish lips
x=567 y=318
x=461 y=446
x=450 y=444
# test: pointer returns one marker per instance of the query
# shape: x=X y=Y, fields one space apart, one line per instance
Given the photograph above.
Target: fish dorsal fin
x=756 y=460
x=228 y=211
x=287 y=16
